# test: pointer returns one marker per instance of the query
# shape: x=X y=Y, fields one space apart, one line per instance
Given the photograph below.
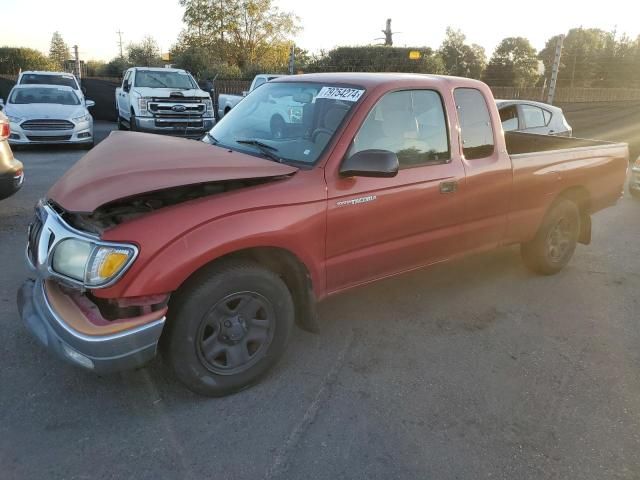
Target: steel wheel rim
x=235 y=334
x=559 y=240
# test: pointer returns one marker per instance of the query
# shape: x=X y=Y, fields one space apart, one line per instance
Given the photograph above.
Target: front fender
x=299 y=229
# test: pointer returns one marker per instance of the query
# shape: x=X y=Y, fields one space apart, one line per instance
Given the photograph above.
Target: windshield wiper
x=266 y=149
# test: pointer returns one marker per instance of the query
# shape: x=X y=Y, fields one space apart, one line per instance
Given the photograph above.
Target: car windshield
x=59 y=96
x=39 y=79
x=159 y=79
x=295 y=120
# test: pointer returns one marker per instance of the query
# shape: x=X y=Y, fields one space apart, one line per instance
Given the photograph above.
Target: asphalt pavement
x=470 y=370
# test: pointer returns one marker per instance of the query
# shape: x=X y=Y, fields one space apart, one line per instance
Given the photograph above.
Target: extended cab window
x=411 y=124
x=475 y=123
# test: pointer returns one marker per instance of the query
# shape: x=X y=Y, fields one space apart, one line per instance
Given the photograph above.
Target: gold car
x=11 y=171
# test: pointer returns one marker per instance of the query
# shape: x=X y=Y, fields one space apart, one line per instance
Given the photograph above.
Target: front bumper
x=190 y=128
x=100 y=347
x=10 y=183
x=82 y=133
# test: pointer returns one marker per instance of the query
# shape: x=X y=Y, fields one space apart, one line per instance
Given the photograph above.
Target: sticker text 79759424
x=339 y=93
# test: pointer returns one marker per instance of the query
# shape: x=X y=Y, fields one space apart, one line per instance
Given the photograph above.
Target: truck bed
x=592 y=172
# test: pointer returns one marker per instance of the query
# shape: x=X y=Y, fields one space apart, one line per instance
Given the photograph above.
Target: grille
x=50 y=138
x=34 y=236
x=168 y=109
x=47 y=124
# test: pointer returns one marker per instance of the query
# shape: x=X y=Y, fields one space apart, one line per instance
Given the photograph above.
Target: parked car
x=163 y=100
x=215 y=250
x=11 y=170
x=533 y=117
x=634 y=181
x=52 y=78
x=48 y=114
x=227 y=101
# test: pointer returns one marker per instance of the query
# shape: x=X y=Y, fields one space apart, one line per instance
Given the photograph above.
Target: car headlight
x=92 y=264
x=14 y=119
x=143 y=103
x=209 y=106
x=83 y=118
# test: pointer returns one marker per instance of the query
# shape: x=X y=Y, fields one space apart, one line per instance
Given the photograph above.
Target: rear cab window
x=476 y=130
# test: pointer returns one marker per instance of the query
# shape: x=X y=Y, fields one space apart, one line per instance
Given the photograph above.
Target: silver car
x=47 y=114
x=533 y=117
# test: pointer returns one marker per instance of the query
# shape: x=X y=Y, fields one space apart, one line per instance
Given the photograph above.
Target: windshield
x=294 y=120
x=159 y=79
x=57 y=96
x=39 y=79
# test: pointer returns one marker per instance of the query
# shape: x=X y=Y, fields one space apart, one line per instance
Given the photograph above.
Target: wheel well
x=580 y=196
x=292 y=271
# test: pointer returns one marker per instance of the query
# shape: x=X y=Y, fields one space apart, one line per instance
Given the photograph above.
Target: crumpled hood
x=132 y=163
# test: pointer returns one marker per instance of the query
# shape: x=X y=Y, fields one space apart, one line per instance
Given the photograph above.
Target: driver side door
x=378 y=227
x=124 y=103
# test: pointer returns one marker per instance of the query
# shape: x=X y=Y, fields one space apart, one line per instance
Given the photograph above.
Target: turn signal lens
x=106 y=263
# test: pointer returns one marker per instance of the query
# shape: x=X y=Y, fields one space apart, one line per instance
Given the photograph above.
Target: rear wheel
x=556 y=240
x=227 y=327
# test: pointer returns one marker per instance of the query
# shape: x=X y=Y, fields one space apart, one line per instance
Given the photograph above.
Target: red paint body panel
x=407 y=222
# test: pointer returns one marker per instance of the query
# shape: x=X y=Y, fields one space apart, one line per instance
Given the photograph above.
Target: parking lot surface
x=475 y=369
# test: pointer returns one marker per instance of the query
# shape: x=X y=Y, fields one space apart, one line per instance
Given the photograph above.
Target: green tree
x=514 y=63
x=58 y=51
x=246 y=34
x=377 y=58
x=145 y=53
x=459 y=58
x=13 y=59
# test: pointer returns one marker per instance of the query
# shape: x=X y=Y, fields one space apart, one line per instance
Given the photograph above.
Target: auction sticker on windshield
x=338 y=93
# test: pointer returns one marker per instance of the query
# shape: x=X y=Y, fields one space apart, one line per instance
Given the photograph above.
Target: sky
x=92 y=25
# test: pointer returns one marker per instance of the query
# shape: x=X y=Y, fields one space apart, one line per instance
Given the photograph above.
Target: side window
x=509 y=118
x=410 y=123
x=126 y=78
x=475 y=123
x=533 y=116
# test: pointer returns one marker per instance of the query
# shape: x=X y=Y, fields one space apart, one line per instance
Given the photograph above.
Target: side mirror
x=89 y=103
x=370 y=163
x=126 y=87
x=245 y=93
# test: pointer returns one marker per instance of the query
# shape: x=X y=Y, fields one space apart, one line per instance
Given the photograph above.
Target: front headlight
x=209 y=106
x=143 y=103
x=92 y=264
x=83 y=118
x=14 y=119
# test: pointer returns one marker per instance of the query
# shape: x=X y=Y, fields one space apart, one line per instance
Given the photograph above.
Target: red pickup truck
x=213 y=250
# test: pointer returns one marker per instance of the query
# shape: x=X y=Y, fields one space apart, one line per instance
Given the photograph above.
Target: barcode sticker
x=339 y=93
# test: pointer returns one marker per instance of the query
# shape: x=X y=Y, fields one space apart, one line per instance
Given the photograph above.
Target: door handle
x=449 y=186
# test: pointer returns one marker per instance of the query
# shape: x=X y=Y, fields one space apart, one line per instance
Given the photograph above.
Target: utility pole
x=554 y=70
x=120 y=42
x=77 y=69
x=292 y=59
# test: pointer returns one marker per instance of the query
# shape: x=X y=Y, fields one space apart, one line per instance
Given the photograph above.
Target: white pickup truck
x=227 y=101
x=163 y=100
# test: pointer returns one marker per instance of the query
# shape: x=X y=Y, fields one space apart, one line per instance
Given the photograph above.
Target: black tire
x=120 y=124
x=214 y=340
x=133 y=125
x=556 y=240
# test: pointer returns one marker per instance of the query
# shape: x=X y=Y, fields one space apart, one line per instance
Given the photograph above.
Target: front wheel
x=556 y=240
x=227 y=327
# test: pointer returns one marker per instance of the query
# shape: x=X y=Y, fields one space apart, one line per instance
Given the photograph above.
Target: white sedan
x=48 y=114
